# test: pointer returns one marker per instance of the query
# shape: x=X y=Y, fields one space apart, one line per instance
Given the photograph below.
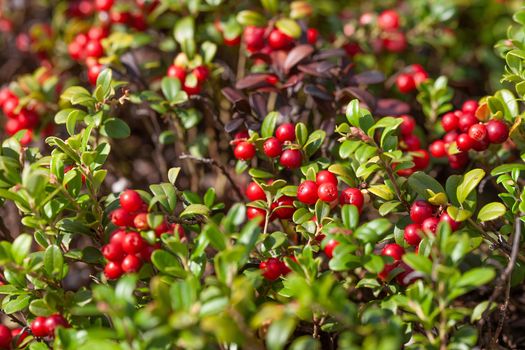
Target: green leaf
x=279 y=332
x=480 y=309
x=170 y=87
x=421 y=183
x=53 y=261
x=195 y=209
x=21 y=247
x=268 y=124
x=476 y=277
x=215 y=236
x=469 y=183
x=167 y=263
x=173 y=173
x=115 y=128
x=491 y=211
x=104 y=83
x=251 y=18
x=301 y=133
x=289 y=27
x=419 y=263
x=350 y=216
x=17 y=304
x=459 y=214
x=352 y=112
x=164 y=194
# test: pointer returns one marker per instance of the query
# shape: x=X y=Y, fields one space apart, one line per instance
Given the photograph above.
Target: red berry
x=405 y=83
x=117 y=237
x=93 y=73
x=254 y=37
x=252 y=213
x=5 y=94
x=145 y=253
x=438 y=149
x=388 y=20
x=19 y=334
x=12 y=126
x=27 y=119
x=420 y=77
x=450 y=122
x=244 y=150
x=75 y=50
x=272 y=147
x=408 y=125
x=177 y=72
x=497 y=131
x=5 y=337
x=330 y=247
x=458 y=160
x=133 y=243
x=430 y=225
x=411 y=143
x=104 y=5
x=191 y=90
x=27 y=138
x=412 y=234
x=94 y=49
x=481 y=145
x=291 y=158
x=120 y=217
x=383 y=275
x=97 y=33
x=307 y=192
x=10 y=106
x=421 y=159
x=113 y=252
x=393 y=250
x=112 y=270
x=395 y=41
x=466 y=121
x=327 y=192
x=131 y=263
x=232 y=41
x=478 y=132
x=130 y=200
x=311 y=36
x=285 y=132
x=325 y=176
x=420 y=210
x=450 y=137
x=272 y=79
x=255 y=192
x=352 y=196
x=55 y=321
x=119 y=17
x=406 y=277
x=278 y=40
x=454 y=225
x=141 y=221
x=470 y=106
x=271 y=268
x=283 y=208
x=38 y=327
x=201 y=73
x=464 y=142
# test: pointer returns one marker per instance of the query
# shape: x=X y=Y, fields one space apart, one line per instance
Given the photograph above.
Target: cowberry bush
x=262 y=175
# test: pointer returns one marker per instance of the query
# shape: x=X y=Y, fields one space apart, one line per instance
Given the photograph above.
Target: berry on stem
x=291 y=158
x=330 y=247
x=325 y=176
x=5 y=337
x=244 y=151
x=255 y=192
x=393 y=250
x=38 y=327
x=285 y=132
x=130 y=200
x=133 y=243
x=112 y=270
x=272 y=147
x=420 y=210
x=327 y=192
x=352 y=196
x=307 y=192
x=497 y=131
x=131 y=263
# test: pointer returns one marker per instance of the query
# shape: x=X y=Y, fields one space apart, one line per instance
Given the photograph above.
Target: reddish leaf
x=296 y=55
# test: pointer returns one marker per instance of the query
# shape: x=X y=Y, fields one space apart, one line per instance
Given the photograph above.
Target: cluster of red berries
x=410 y=78
x=18 y=118
x=282 y=208
x=273 y=147
x=463 y=128
x=273 y=268
x=87 y=47
x=180 y=70
x=265 y=40
x=127 y=250
x=391 y=38
x=37 y=39
x=411 y=143
x=43 y=327
x=108 y=14
x=226 y=39
x=12 y=337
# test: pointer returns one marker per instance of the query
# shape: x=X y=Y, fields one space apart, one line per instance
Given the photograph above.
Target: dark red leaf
x=370 y=77
x=389 y=106
x=296 y=55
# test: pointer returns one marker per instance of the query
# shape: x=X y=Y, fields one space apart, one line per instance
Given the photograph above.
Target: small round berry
x=244 y=151
x=325 y=176
x=458 y=160
x=5 y=337
x=133 y=243
x=201 y=73
x=130 y=200
x=408 y=125
x=93 y=73
x=75 y=50
x=131 y=263
x=291 y=159
x=464 y=142
x=191 y=90
x=113 y=252
x=141 y=221
x=469 y=106
x=383 y=275
x=478 y=132
x=145 y=254
x=450 y=137
x=388 y=20
x=177 y=72
x=454 y=225
x=420 y=210
x=271 y=269
x=393 y=250
x=449 y=122
x=438 y=149
x=255 y=192
x=254 y=37
x=352 y=196
x=272 y=147
x=9 y=107
x=55 y=321
x=412 y=234
x=285 y=132
x=283 y=208
x=312 y=35
x=327 y=192
x=252 y=213
x=278 y=40
x=466 y=121
x=405 y=83
x=421 y=159
x=117 y=237
x=112 y=270
x=94 y=49
x=406 y=277
x=104 y=5
x=231 y=41
x=497 y=131
x=330 y=247
x=430 y=225
x=38 y=327
x=420 y=77
x=239 y=137
x=19 y=334
x=481 y=145
x=411 y=142
x=307 y=192
x=97 y=33
x=120 y=217
x=27 y=119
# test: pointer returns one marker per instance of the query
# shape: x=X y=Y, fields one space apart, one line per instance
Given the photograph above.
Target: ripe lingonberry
x=454 y=225
x=449 y=122
x=271 y=268
x=438 y=149
x=327 y=192
x=469 y=106
x=450 y=137
x=430 y=225
x=284 y=208
x=419 y=77
x=421 y=159
x=393 y=250
x=464 y=142
x=133 y=243
x=278 y=40
x=254 y=38
x=412 y=234
x=177 y=72
x=272 y=147
x=117 y=237
x=232 y=41
x=408 y=125
x=478 y=132
x=97 y=33
x=352 y=196
x=405 y=83
x=5 y=337
x=145 y=254
x=388 y=20
x=113 y=252
x=19 y=334
x=255 y=192
x=252 y=212
x=307 y=192
x=201 y=73
x=458 y=160
x=191 y=90
x=10 y=106
x=481 y=145
x=291 y=158
x=406 y=277
x=285 y=132
x=411 y=142
x=54 y=321
x=93 y=73
x=325 y=176
x=330 y=247
x=131 y=263
x=466 y=121
x=420 y=210
x=27 y=119
x=120 y=217
x=497 y=131
x=130 y=200
x=141 y=221
x=311 y=36
x=38 y=327
x=94 y=49
x=383 y=275
x=244 y=151
x=112 y=270
x=104 y=5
